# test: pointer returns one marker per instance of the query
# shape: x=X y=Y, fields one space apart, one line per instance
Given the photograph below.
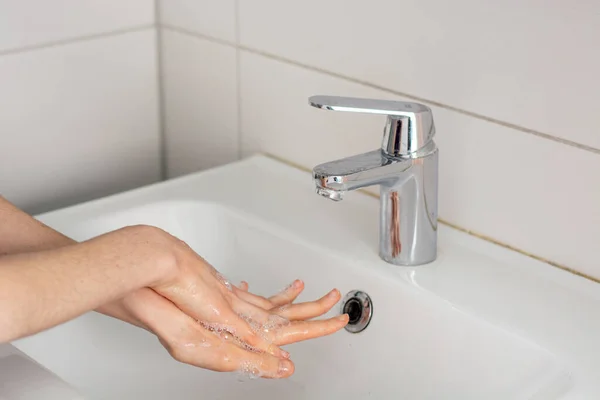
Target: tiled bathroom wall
x=513 y=87
x=78 y=100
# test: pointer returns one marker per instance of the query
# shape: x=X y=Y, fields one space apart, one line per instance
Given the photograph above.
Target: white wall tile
x=214 y=18
x=200 y=102
x=535 y=194
x=532 y=63
x=79 y=121
x=26 y=23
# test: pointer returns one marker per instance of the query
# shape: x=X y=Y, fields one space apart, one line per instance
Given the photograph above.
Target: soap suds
x=248 y=371
x=266 y=330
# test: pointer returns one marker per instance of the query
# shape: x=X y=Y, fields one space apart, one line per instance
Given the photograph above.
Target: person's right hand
x=205 y=321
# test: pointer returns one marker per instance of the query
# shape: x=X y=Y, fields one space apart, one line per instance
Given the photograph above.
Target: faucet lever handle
x=409 y=126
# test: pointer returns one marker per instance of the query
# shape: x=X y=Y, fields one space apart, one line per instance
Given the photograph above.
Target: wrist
x=156 y=251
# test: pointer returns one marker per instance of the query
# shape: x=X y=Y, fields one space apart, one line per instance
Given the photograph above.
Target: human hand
x=205 y=321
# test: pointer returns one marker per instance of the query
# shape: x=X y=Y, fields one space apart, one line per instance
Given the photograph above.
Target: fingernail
x=344 y=317
x=297 y=283
x=285 y=366
x=333 y=293
x=285 y=354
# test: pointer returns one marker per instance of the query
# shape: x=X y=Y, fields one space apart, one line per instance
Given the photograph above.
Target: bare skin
x=148 y=278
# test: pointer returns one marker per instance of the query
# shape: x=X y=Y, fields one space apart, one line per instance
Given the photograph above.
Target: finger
x=251 y=298
x=264 y=365
x=243 y=286
x=249 y=311
x=261 y=322
x=287 y=295
x=226 y=337
x=188 y=342
x=299 y=331
x=242 y=329
x=302 y=311
x=222 y=351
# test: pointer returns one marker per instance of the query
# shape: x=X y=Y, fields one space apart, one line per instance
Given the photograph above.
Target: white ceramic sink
x=21 y=378
x=455 y=329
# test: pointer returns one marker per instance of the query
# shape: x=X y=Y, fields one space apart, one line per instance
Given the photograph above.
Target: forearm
x=20 y=232
x=39 y=290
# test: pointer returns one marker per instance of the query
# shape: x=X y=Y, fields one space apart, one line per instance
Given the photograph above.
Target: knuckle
x=280 y=310
x=252 y=339
x=147 y=232
x=179 y=354
x=177 y=350
x=182 y=345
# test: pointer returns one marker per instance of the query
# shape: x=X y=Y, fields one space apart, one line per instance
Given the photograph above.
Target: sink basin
x=21 y=378
x=270 y=230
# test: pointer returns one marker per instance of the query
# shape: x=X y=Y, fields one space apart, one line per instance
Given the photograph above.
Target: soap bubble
x=225 y=282
x=249 y=371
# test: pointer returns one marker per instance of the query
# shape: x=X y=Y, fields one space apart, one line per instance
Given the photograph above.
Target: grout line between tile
x=200 y=35
x=238 y=76
x=161 y=95
x=426 y=101
x=387 y=90
x=509 y=247
x=56 y=43
x=457 y=227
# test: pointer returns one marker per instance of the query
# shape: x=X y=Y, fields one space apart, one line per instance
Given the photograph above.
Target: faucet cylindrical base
x=408 y=225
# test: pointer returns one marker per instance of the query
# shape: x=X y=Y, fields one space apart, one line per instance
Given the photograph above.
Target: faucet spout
x=356 y=172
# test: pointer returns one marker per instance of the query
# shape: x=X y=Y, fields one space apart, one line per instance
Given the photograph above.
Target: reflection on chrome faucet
x=406 y=168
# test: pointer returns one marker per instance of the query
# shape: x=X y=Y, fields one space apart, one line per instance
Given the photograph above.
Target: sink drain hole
x=358 y=306
x=354 y=310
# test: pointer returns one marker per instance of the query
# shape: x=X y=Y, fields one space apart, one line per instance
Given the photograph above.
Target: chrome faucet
x=406 y=168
